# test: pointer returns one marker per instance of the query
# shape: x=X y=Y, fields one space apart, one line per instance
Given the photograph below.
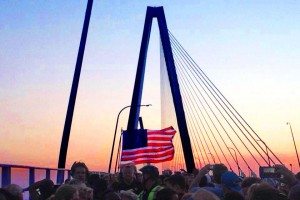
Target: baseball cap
x=151 y=170
x=231 y=181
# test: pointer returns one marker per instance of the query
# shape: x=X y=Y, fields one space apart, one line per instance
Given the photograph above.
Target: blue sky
x=250 y=50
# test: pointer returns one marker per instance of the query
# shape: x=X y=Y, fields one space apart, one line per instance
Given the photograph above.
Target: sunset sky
x=250 y=50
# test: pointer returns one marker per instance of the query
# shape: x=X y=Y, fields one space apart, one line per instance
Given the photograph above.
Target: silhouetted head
x=247 y=182
x=128 y=173
x=66 y=192
x=177 y=183
x=79 y=171
x=218 y=170
x=166 y=193
x=150 y=175
x=294 y=193
x=233 y=196
x=263 y=191
x=298 y=176
x=15 y=190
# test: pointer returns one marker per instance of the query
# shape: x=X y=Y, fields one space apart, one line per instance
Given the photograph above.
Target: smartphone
x=268 y=172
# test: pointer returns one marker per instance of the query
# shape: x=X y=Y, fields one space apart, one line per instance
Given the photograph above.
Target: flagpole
x=288 y=123
x=117 y=122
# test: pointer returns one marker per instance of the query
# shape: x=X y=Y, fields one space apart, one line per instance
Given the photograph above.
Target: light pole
x=212 y=155
x=291 y=165
x=288 y=123
x=236 y=160
x=113 y=145
x=117 y=165
x=269 y=163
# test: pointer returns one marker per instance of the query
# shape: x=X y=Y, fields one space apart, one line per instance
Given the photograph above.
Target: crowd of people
x=212 y=182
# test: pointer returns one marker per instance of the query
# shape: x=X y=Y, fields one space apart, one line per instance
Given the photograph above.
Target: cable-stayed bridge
x=210 y=130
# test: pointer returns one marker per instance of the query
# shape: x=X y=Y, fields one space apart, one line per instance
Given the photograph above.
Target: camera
x=268 y=172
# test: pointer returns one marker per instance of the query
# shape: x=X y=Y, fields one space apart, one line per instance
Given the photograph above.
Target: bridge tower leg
x=73 y=94
x=158 y=12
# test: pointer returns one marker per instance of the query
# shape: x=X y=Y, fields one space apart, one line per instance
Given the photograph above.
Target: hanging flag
x=148 y=146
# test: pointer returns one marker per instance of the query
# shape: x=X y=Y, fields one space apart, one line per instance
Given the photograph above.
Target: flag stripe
x=162 y=130
x=148 y=150
x=148 y=155
x=160 y=135
x=154 y=144
x=153 y=160
x=159 y=142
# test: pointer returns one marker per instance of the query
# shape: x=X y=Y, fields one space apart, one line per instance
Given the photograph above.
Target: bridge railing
x=6 y=174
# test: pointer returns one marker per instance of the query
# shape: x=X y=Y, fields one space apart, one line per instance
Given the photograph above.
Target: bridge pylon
x=158 y=12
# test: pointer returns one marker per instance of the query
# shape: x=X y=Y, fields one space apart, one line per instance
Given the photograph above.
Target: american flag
x=148 y=146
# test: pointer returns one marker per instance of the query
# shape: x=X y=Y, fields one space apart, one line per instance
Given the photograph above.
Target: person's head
x=5 y=195
x=166 y=193
x=176 y=183
x=2 y=196
x=41 y=189
x=162 y=179
x=128 y=195
x=203 y=194
x=187 y=196
x=205 y=181
x=66 y=192
x=189 y=178
x=263 y=191
x=98 y=184
x=15 y=191
x=231 y=182
x=85 y=193
x=150 y=176
x=233 y=196
x=139 y=177
x=294 y=193
x=218 y=170
x=298 y=176
x=247 y=182
x=111 y=195
x=79 y=171
x=128 y=173
x=167 y=172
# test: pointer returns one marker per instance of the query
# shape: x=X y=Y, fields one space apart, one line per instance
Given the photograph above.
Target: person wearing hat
x=231 y=182
x=150 y=183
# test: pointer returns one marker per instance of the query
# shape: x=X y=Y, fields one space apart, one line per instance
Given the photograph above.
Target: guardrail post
x=48 y=174
x=69 y=174
x=6 y=176
x=31 y=176
x=60 y=176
